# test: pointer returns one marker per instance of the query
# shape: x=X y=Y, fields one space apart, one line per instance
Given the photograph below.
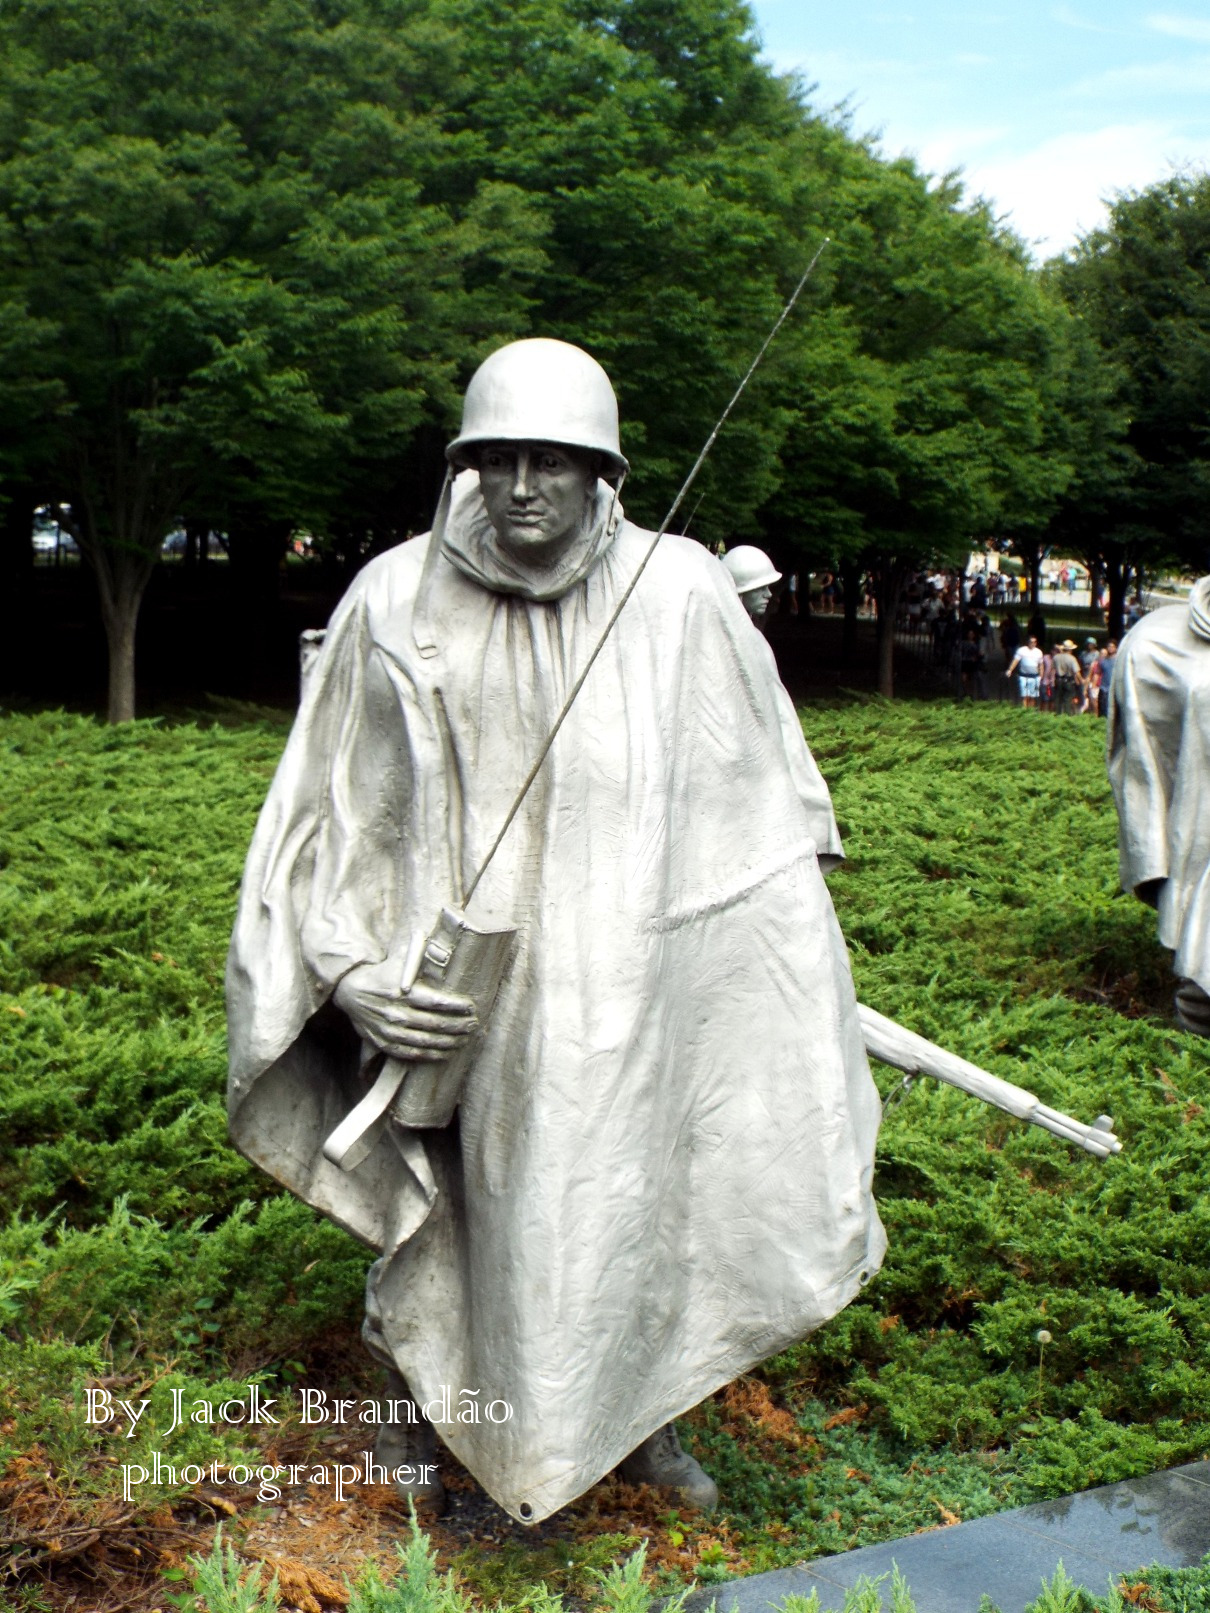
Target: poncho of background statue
x=660 y=1170
x=1159 y=766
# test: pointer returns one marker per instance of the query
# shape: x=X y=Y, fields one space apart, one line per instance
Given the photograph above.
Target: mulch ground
x=95 y=1555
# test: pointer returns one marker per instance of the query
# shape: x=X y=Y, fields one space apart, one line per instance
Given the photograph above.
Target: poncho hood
x=469 y=541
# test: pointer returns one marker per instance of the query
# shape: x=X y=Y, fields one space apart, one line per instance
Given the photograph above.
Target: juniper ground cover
x=1042 y=1321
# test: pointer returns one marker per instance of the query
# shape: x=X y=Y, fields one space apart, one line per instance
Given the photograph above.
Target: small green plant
x=624 y=1589
x=1061 y=1594
x=419 y=1587
x=222 y=1583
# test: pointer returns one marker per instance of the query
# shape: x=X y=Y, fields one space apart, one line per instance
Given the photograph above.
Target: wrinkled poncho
x=660 y=1170
x=1159 y=766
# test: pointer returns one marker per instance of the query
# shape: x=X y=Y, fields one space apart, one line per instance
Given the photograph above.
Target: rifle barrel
x=894 y=1044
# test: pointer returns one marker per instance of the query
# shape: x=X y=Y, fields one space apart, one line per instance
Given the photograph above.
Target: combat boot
x=1192 y=1007
x=660 y=1460
x=410 y=1441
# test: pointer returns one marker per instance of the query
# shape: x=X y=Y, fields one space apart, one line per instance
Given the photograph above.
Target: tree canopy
x=249 y=255
x=1139 y=410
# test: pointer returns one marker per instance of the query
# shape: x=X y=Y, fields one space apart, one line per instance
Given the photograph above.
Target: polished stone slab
x=1097 y=1535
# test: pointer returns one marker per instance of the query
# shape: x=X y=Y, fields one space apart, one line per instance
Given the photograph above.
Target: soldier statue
x=1159 y=765
x=657 y=1171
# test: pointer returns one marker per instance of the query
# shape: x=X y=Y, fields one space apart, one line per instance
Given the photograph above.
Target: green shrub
x=981 y=906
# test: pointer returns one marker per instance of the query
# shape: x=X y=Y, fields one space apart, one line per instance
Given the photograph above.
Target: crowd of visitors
x=947 y=613
x=1064 y=679
x=951 y=613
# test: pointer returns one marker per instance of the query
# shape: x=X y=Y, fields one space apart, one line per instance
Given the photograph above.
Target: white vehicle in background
x=51 y=542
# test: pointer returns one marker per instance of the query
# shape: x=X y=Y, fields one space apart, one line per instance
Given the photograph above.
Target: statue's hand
x=419 y=1024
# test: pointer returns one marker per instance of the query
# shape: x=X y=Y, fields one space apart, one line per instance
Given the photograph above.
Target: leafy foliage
x=248 y=254
x=1136 y=406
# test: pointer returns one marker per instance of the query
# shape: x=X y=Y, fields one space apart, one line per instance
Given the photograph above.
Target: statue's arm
x=804 y=770
x=318 y=893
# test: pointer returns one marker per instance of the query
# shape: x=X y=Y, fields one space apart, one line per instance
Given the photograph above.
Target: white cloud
x=1190 y=76
x=1072 y=19
x=958 y=147
x=1194 y=28
x=1056 y=191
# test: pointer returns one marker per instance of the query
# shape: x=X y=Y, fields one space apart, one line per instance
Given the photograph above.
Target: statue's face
x=756 y=601
x=536 y=494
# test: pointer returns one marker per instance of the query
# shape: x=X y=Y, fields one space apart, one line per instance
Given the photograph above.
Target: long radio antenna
x=527 y=784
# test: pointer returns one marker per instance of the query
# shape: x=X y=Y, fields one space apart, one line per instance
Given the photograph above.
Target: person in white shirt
x=1027 y=664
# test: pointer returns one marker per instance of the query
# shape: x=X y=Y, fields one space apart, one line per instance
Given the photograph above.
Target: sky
x=1046 y=108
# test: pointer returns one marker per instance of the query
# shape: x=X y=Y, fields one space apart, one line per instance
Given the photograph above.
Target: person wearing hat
x=1088 y=659
x=659 y=1169
x=753 y=574
x=1067 y=678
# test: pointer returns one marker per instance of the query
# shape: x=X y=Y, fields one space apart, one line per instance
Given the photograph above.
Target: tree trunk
x=886 y=660
x=850 y=578
x=890 y=583
x=120 y=625
x=16 y=541
x=196 y=544
x=1035 y=576
x=1115 y=576
x=122 y=575
x=257 y=549
x=16 y=577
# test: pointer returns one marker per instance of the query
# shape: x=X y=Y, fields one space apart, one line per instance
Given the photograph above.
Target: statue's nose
x=523 y=476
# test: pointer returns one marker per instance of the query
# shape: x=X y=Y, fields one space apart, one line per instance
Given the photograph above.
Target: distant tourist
x=1109 y=656
x=1091 y=702
x=1027 y=664
x=1089 y=660
x=1048 y=680
x=1067 y=678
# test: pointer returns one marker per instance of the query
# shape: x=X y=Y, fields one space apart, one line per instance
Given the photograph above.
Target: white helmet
x=750 y=568
x=540 y=390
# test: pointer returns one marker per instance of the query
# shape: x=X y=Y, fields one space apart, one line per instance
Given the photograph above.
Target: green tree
x=270 y=244
x=1140 y=294
x=249 y=298
x=919 y=419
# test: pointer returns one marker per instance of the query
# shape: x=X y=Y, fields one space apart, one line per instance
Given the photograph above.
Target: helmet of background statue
x=540 y=390
x=750 y=568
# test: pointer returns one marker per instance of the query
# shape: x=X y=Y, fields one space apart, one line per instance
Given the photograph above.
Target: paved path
x=1097 y=1535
